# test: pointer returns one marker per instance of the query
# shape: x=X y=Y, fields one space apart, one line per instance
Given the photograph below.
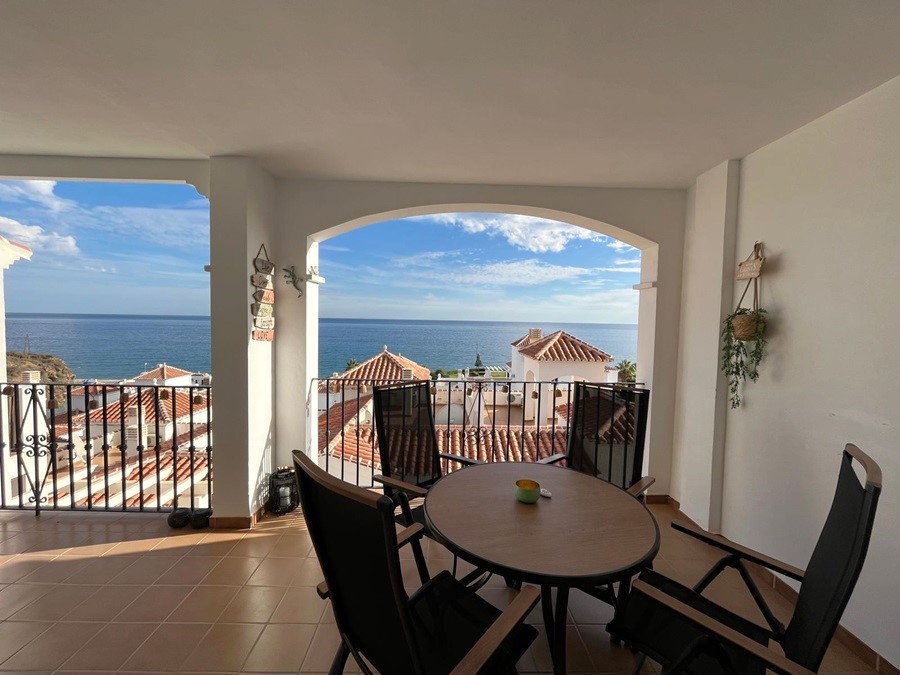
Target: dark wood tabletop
x=588 y=533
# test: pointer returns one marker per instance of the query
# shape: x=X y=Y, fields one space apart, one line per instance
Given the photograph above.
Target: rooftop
x=562 y=346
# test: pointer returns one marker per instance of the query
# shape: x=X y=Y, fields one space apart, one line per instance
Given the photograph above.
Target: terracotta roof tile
x=563 y=346
x=182 y=407
x=163 y=372
x=383 y=368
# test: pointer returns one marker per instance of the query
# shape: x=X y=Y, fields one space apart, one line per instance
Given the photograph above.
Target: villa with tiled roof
x=383 y=368
x=165 y=374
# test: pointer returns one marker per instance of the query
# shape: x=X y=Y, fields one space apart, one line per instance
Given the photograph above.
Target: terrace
x=689 y=131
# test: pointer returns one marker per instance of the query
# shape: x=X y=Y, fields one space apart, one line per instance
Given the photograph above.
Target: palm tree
x=352 y=363
x=627 y=370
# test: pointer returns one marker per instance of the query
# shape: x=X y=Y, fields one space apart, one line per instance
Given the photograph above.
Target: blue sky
x=125 y=248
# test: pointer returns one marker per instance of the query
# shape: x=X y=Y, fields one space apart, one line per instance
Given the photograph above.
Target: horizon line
x=321 y=318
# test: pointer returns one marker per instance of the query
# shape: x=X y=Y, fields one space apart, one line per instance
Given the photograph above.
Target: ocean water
x=107 y=346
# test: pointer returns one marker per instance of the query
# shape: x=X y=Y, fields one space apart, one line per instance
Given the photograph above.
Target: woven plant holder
x=745 y=325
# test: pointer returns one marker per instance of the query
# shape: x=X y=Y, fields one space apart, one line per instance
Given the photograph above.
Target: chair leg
x=513 y=583
x=340 y=659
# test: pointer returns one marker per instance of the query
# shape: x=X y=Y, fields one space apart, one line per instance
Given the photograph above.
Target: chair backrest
x=607 y=428
x=836 y=561
x=355 y=539
x=407 y=441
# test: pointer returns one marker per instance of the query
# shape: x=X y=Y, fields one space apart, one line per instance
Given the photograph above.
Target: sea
x=117 y=346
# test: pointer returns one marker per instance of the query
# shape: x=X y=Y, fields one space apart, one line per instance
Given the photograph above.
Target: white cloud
x=38 y=239
x=629 y=270
x=528 y=233
x=627 y=261
x=620 y=246
x=37 y=191
x=517 y=273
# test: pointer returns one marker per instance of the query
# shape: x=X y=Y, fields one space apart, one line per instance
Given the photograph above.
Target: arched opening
x=486 y=400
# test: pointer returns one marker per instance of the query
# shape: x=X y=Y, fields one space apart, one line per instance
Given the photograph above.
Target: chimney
x=535 y=334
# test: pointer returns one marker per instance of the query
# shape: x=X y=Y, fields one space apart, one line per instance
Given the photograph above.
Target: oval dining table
x=587 y=534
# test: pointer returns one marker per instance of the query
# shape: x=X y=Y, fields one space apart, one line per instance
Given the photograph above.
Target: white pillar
x=701 y=394
x=242 y=201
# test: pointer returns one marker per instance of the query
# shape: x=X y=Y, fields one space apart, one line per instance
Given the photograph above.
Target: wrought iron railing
x=109 y=447
x=489 y=419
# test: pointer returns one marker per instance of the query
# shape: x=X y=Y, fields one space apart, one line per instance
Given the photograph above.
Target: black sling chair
x=444 y=627
x=687 y=633
x=408 y=450
x=607 y=430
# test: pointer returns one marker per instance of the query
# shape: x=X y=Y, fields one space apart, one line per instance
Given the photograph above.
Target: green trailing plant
x=741 y=358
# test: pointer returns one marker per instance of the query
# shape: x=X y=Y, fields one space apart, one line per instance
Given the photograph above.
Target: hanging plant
x=743 y=332
x=738 y=361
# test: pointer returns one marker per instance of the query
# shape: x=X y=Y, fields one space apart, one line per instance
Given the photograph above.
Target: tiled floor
x=112 y=592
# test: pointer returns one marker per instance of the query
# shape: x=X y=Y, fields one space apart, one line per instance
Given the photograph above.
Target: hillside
x=53 y=368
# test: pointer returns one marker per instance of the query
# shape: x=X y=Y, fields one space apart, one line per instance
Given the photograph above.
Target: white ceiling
x=641 y=93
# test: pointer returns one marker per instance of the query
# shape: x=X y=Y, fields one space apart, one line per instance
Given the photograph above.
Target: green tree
x=627 y=370
x=478 y=363
x=352 y=363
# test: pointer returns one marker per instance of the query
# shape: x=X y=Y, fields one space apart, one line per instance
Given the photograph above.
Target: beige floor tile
x=145 y=570
x=167 y=648
x=605 y=656
x=274 y=572
x=232 y=571
x=105 y=604
x=17 y=596
x=308 y=573
x=281 y=648
x=110 y=647
x=224 y=648
x=292 y=546
x=212 y=545
x=255 y=545
x=20 y=566
x=103 y=570
x=300 y=605
x=585 y=608
x=14 y=636
x=56 y=603
x=53 y=648
x=177 y=544
x=577 y=658
x=203 y=604
x=56 y=571
x=139 y=545
x=154 y=604
x=189 y=571
x=253 y=604
x=322 y=649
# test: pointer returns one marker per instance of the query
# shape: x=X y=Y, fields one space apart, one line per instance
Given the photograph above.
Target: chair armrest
x=552 y=459
x=406 y=535
x=741 y=551
x=411 y=533
x=490 y=642
x=401 y=485
x=641 y=486
x=459 y=458
x=777 y=662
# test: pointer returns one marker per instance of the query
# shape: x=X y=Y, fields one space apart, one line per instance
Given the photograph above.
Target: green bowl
x=528 y=491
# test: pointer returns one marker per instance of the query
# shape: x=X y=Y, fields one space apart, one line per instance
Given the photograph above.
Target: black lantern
x=284 y=496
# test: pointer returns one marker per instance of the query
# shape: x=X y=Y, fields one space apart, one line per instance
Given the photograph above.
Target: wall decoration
x=744 y=326
x=263 y=309
x=293 y=279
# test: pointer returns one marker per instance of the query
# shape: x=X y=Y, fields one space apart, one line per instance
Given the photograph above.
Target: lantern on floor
x=284 y=495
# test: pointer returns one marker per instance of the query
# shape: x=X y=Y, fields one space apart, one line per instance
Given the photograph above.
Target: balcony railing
x=105 y=447
x=491 y=420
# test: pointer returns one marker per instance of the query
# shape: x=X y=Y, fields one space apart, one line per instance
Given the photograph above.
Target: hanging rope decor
x=745 y=325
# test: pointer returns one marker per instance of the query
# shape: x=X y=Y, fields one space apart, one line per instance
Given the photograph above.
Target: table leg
x=559 y=630
x=547 y=608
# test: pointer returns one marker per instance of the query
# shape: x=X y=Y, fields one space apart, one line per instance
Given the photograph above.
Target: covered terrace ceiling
x=509 y=91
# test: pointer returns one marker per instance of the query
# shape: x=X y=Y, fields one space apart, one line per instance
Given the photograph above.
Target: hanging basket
x=746 y=325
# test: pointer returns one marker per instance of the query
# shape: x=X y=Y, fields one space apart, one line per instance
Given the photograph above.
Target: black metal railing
x=489 y=419
x=109 y=447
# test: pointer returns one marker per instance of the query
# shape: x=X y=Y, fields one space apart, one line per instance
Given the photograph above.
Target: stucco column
x=241 y=218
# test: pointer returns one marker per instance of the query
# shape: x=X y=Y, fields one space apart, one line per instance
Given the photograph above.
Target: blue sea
x=116 y=346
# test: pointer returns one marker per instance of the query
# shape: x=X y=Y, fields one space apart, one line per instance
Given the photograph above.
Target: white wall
x=652 y=220
x=241 y=218
x=706 y=290
x=826 y=201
